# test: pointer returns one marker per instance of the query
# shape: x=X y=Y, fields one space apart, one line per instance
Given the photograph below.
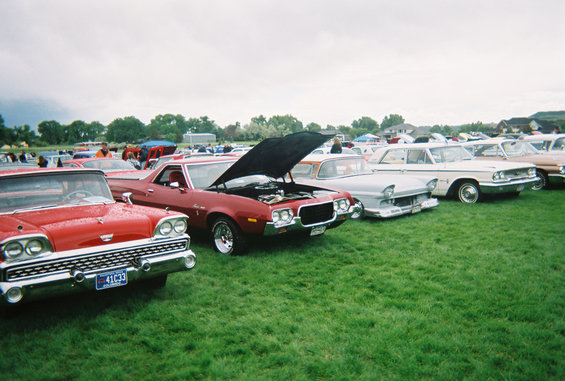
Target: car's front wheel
x=542 y=182
x=469 y=192
x=227 y=238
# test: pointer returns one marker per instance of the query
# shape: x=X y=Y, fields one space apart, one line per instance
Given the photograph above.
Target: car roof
x=319 y=157
x=25 y=171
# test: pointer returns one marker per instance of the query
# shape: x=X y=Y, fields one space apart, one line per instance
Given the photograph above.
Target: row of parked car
x=84 y=227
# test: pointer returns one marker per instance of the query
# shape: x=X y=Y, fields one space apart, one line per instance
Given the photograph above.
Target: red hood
x=80 y=227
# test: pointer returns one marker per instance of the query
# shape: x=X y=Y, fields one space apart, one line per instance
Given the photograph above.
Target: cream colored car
x=458 y=173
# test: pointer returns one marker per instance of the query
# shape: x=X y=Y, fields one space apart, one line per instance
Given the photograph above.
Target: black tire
x=156 y=282
x=542 y=182
x=468 y=192
x=361 y=214
x=227 y=237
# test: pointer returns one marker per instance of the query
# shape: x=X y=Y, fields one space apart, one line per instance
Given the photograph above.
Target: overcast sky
x=327 y=61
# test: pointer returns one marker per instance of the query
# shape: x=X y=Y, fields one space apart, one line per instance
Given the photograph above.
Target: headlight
x=13 y=250
x=388 y=191
x=34 y=247
x=180 y=226
x=341 y=205
x=282 y=216
x=532 y=171
x=170 y=227
x=432 y=185
x=562 y=169
x=498 y=176
x=25 y=247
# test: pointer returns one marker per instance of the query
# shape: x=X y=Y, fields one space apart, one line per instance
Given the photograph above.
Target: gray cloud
x=328 y=62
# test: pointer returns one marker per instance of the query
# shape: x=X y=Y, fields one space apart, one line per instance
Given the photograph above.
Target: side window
x=416 y=156
x=394 y=156
x=164 y=177
x=304 y=170
x=487 y=151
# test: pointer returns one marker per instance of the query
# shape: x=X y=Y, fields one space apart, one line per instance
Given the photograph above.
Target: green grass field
x=459 y=292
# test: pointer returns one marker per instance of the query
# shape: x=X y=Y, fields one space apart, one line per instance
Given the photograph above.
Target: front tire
x=469 y=192
x=227 y=238
x=542 y=182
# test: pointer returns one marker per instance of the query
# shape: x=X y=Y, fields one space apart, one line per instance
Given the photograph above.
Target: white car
x=553 y=143
x=457 y=171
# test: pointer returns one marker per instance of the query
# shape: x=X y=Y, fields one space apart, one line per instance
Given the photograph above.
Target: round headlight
x=285 y=216
x=34 y=247
x=13 y=250
x=276 y=216
x=432 y=185
x=388 y=191
x=165 y=228
x=180 y=226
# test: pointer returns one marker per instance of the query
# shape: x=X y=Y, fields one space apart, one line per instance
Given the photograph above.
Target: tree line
x=172 y=127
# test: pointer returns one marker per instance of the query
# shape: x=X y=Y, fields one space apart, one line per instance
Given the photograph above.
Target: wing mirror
x=126 y=197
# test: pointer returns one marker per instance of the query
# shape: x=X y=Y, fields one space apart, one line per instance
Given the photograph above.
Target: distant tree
x=313 y=127
x=94 y=130
x=51 y=132
x=172 y=126
x=391 y=120
x=233 y=132
x=478 y=126
x=3 y=131
x=75 y=132
x=284 y=123
x=25 y=134
x=128 y=129
x=365 y=123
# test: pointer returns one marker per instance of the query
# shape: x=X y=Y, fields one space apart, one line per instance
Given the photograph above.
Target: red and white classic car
x=233 y=197
x=61 y=231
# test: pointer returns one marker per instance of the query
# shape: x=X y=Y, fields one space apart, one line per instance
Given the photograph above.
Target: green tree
x=51 y=132
x=365 y=124
x=313 y=127
x=94 y=130
x=233 y=132
x=25 y=134
x=173 y=127
x=285 y=124
x=128 y=129
x=391 y=120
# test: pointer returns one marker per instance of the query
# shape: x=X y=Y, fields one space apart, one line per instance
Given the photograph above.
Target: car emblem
x=99 y=219
x=106 y=237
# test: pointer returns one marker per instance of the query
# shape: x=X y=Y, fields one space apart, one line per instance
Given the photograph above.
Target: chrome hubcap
x=469 y=194
x=223 y=238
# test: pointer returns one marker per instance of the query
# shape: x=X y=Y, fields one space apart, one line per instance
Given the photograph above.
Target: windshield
x=450 y=154
x=343 y=167
x=202 y=175
x=109 y=165
x=36 y=191
x=518 y=148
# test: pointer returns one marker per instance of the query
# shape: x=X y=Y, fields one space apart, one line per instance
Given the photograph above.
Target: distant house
x=395 y=131
x=526 y=125
x=198 y=138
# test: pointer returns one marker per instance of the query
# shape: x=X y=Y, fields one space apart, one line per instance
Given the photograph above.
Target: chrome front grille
x=516 y=174
x=411 y=200
x=315 y=214
x=95 y=261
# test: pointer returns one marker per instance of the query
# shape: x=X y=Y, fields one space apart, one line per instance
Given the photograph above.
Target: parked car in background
x=110 y=166
x=377 y=195
x=235 y=197
x=552 y=143
x=457 y=172
x=365 y=150
x=550 y=168
x=61 y=231
x=326 y=150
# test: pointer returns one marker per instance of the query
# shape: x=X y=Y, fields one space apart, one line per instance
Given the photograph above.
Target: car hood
x=274 y=157
x=81 y=227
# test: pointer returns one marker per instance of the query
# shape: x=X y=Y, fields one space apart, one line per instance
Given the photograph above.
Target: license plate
x=416 y=208
x=318 y=230
x=112 y=279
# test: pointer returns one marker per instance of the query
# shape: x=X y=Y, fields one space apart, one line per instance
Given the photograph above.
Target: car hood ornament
x=106 y=237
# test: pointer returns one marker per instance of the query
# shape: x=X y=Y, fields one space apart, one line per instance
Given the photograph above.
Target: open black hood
x=274 y=157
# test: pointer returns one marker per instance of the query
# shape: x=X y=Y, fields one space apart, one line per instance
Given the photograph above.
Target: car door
x=393 y=161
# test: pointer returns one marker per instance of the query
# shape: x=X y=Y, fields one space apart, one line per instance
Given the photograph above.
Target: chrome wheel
x=542 y=182
x=360 y=212
x=223 y=238
x=469 y=193
x=227 y=238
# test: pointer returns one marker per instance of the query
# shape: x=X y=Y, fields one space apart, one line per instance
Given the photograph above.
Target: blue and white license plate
x=111 y=279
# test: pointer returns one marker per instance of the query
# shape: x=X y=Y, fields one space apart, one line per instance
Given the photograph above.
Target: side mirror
x=176 y=185
x=126 y=197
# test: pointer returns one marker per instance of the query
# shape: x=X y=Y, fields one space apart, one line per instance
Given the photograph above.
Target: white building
x=198 y=138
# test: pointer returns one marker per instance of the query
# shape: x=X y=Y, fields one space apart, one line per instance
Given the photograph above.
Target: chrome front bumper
x=59 y=273
x=508 y=187
x=393 y=211
x=297 y=225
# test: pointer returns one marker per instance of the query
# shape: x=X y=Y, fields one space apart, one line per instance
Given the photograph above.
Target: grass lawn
x=461 y=291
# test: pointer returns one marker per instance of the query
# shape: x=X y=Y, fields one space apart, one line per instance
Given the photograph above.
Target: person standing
x=336 y=147
x=103 y=152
